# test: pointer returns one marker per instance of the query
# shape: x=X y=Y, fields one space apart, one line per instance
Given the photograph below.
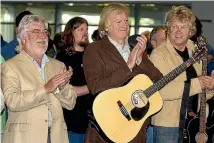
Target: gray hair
x=22 y=28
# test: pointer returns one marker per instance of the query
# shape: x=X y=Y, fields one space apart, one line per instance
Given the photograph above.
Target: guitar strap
x=190 y=73
x=183 y=110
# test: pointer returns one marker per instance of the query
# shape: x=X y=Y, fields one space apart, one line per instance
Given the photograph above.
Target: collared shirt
x=123 y=50
x=41 y=70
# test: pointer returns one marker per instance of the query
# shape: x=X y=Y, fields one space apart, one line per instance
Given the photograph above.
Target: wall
x=205 y=11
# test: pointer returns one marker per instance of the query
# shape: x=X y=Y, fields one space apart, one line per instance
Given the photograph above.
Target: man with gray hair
x=35 y=89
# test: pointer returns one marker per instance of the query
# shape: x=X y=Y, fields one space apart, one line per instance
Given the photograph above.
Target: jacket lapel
x=190 y=47
x=111 y=49
x=27 y=63
x=49 y=71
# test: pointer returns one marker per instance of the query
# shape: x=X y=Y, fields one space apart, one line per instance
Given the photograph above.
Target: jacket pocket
x=19 y=127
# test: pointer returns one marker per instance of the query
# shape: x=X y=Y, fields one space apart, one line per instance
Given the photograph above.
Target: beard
x=83 y=43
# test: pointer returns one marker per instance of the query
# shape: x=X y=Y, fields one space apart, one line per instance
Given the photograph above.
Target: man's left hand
x=67 y=75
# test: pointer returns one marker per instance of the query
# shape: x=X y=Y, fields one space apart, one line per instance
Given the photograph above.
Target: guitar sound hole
x=138 y=113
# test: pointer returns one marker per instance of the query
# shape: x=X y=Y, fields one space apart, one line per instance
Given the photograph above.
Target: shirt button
x=46 y=120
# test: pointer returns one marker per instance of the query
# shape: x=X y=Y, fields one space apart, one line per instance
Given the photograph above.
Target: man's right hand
x=54 y=82
x=207 y=82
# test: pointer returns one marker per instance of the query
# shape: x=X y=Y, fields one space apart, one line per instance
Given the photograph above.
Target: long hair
x=68 y=37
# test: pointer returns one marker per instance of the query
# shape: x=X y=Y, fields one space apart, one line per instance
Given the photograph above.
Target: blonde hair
x=183 y=14
x=107 y=12
x=22 y=28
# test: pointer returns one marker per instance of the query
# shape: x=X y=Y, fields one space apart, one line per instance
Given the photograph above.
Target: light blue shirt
x=41 y=70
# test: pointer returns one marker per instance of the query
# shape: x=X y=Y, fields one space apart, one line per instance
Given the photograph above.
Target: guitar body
x=109 y=106
x=193 y=132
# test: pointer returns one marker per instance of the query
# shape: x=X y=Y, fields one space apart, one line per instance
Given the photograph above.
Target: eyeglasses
x=37 y=32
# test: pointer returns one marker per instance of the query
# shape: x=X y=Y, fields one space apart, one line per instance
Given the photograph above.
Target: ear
x=23 y=41
x=107 y=28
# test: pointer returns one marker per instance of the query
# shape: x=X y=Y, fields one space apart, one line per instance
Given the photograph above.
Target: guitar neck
x=202 y=96
x=169 y=77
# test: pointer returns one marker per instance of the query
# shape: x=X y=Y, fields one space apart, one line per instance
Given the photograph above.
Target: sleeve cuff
x=195 y=84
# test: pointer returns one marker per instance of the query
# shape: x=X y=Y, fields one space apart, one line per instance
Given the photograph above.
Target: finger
x=135 y=49
x=206 y=78
x=144 y=37
x=206 y=82
x=69 y=74
x=212 y=74
x=60 y=75
x=59 y=81
x=63 y=69
x=142 y=46
x=141 y=39
x=70 y=70
x=142 y=42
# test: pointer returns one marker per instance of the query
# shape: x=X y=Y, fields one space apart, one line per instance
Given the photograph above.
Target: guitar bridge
x=123 y=110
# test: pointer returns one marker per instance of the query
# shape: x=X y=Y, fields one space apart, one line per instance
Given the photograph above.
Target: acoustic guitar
x=120 y=112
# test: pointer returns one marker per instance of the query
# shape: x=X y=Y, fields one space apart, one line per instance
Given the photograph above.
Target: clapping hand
x=59 y=80
x=67 y=75
x=142 y=46
x=137 y=52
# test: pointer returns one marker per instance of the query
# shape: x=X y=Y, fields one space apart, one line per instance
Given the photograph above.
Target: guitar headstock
x=201 y=48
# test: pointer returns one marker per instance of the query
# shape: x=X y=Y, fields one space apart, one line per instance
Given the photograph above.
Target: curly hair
x=183 y=14
x=67 y=36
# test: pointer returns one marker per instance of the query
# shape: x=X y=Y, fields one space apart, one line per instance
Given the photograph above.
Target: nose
x=43 y=35
x=85 y=32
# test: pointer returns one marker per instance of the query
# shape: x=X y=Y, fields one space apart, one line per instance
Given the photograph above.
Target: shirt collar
x=45 y=59
x=117 y=44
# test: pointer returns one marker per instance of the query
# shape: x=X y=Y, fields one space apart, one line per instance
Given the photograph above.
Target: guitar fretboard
x=169 y=77
x=202 y=96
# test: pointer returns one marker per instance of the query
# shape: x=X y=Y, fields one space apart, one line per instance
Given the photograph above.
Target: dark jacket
x=105 y=68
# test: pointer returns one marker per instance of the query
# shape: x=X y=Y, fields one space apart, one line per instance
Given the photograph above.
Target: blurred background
x=143 y=15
